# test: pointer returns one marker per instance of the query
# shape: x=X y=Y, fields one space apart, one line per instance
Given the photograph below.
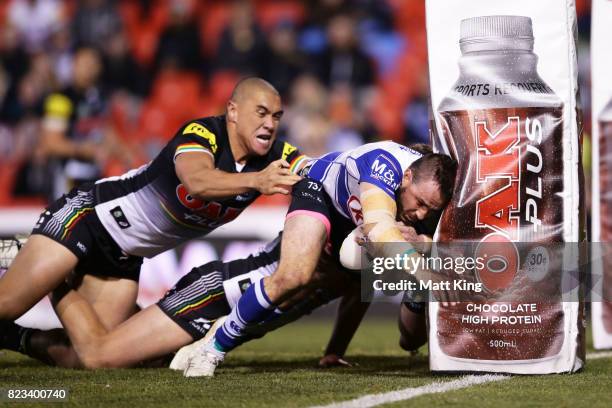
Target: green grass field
x=280 y=370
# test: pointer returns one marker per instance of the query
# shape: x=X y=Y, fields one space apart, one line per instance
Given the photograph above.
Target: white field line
x=599 y=354
x=373 y=400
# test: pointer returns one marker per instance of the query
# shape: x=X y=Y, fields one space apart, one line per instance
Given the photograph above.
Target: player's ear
x=232 y=111
x=407 y=179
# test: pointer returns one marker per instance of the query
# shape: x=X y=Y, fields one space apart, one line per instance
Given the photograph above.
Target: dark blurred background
x=118 y=78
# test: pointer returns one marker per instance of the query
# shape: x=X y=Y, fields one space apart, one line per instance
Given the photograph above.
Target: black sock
x=11 y=335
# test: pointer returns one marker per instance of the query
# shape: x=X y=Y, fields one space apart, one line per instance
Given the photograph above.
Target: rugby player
x=207 y=293
x=189 y=310
x=372 y=186
x=88 y=246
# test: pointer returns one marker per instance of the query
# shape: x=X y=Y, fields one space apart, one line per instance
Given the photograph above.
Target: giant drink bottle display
x=504 y=125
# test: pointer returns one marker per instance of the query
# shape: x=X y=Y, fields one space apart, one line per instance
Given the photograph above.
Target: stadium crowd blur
x=91 y=88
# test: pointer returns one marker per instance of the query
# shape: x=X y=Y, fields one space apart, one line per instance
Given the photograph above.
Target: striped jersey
x=148 y=210
x=382 y=164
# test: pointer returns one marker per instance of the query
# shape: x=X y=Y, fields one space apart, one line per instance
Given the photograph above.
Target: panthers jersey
x=148 y=210
x=382 y=164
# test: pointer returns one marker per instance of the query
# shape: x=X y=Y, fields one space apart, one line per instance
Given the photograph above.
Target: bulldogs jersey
x=382 y=164
x=148 y=210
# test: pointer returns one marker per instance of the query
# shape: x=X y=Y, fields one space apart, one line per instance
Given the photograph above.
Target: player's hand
x=276 y=178
x=420 y=242
x=333 y=360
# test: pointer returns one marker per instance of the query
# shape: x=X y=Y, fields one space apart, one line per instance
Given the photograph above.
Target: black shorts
x=72 y=222
x=309 y=197
x=198 y=299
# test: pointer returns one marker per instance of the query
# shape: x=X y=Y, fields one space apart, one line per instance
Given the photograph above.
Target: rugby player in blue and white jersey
x=98 y=234
x=193 y=308
x=373 y=186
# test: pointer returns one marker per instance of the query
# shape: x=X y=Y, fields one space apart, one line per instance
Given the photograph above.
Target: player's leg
x=148 y=334
x=302 y=243
x=58 y=242
x=412 y=325
x=186 y=312
x=113 y=299
x=96 y=306
x=40 y=266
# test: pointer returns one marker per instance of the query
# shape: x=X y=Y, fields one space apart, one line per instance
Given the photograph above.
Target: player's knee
x=94 y=355
x=93 y=359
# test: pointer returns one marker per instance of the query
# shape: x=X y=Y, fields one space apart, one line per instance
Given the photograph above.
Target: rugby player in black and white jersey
x=189 y=310
x=199 y=301
x=87 y=247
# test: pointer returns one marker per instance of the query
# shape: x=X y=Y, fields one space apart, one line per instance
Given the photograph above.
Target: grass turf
x=280 y=370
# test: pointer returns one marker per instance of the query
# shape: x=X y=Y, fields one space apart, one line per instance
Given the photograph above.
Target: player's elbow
x=194 y=186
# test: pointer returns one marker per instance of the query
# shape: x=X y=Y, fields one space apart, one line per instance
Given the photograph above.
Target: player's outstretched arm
x=348 y=318
x=379 y=214
x=197 y=173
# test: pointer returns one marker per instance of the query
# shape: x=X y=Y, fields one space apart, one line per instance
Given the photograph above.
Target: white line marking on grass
x=373 y=400
x=600 y=354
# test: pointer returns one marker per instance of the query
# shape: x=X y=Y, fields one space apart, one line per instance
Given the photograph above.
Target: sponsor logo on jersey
x=385 y=171
x=354 y=206
x=244 y=284
x=287 y=150
x=82 y=247
x=244 y=197
x=200 y=324
x=120 y=218
x=205 y=213
x=198 y=129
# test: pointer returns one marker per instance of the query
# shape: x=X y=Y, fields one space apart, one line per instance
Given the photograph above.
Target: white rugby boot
x=181 y=358
x=203 y=361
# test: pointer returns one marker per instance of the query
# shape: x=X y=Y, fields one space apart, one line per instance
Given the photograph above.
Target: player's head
x=254 y=111
x=86 y=67
x=427 y=186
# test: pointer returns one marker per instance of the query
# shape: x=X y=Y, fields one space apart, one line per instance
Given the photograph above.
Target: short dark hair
x=440 y=168
x=421 y=148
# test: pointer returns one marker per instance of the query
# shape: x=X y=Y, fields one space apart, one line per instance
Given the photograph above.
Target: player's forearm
x=350 y=314
x=211 y=184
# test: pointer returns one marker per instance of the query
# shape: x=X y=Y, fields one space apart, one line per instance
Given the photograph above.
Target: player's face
x=417 y=201
x=258 y=117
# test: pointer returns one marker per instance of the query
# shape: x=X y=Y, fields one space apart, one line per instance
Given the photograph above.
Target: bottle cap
x=490 y=33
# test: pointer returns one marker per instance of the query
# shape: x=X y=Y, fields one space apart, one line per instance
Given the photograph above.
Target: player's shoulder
x=283 y=150
x=392 y=152
x=211 y=130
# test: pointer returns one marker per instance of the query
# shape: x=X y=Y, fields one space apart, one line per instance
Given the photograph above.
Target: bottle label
x=511 y=172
